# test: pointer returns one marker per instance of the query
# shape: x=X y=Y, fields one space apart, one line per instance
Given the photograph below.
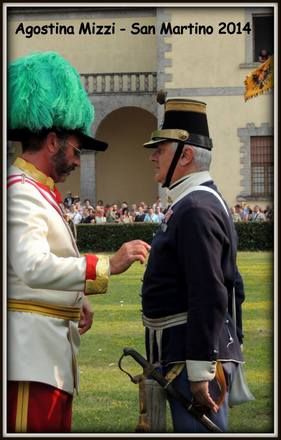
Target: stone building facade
x=206 y=56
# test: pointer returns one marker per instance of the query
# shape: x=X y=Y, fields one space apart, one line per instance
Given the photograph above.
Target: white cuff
x=200 y=370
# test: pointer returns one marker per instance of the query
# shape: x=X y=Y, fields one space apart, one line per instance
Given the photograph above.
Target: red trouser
x=37 y=407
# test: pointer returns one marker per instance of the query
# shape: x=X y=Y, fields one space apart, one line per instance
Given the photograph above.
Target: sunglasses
x=77 y=150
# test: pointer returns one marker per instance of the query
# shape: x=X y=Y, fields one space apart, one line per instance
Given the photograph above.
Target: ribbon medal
x=167 y=217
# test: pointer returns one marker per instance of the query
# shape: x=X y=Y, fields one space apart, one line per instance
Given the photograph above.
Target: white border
x=274 y=5
x=4 y=228
x=276 y=190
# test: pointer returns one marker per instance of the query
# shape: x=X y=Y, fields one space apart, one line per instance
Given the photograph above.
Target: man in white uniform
x=48 y=281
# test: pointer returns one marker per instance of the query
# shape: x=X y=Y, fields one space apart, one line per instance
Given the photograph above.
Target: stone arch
x=106 y=104
x=124 y=172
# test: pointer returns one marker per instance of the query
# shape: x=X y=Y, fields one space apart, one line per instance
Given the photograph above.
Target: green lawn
x=108 y=401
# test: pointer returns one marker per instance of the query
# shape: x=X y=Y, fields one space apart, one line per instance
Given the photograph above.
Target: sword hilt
x=152 y=371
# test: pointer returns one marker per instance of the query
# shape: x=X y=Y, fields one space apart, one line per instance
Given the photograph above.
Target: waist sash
x=61 y=312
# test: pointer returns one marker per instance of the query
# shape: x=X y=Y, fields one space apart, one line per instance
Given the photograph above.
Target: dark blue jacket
x=192 y=267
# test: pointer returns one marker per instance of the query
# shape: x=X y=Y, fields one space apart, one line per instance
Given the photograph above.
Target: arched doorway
x=124 y=172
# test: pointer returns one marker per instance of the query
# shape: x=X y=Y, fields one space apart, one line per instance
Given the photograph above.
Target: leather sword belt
x=52 y=310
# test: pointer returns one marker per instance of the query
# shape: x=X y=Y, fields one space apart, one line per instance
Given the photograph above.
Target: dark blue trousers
x=184 y=421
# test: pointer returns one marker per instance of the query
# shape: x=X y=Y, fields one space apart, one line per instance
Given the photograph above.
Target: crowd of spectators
x=85 y=212
x=244 y=213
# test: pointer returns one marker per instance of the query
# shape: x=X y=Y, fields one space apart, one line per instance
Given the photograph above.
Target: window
x=263 y=26
x=261 y=37
x=261 y=165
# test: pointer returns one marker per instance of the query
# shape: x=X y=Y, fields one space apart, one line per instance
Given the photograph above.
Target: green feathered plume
x=45 y=91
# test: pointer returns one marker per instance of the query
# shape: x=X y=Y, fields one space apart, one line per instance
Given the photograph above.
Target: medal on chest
x=168 y=215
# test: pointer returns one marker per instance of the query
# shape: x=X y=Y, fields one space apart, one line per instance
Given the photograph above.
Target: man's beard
x=62 y=168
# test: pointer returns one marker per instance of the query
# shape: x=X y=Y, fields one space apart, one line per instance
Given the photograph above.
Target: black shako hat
x=185 y=121
x=87 y=142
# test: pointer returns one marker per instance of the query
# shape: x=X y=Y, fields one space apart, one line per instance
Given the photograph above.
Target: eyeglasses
x=77 y=150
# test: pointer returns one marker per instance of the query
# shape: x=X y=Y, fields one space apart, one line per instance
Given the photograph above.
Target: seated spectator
x=250 y=214
x=100 y=203
x=151 y=217
x=87 y=204
x=159 y=213
x=239 y=210
x=235 y=214
x=126 y=216
x=268 y=212
x=100 y=217
x=76 y=215
x=144 y=206
x=112 y=215
x=106 y=208
x=76 y=199
x=90 y=217
x=68 y=201
x=115 y=212
x=245 y=212
x=258 y=215
x=85 y=213
x=123 y=205
x=140 y=214
x=133 y=211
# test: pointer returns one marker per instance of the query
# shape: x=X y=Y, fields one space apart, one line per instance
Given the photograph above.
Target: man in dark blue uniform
x=191 y=272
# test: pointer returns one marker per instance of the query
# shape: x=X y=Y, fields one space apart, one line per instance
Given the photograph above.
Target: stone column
x=88 y=176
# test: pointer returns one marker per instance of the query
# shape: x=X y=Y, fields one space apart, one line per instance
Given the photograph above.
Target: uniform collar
x=186 y=182
x=34 y=173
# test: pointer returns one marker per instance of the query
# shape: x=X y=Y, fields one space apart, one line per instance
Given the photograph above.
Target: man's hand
x=136 y=250
x=86 y=317
x=200 y=392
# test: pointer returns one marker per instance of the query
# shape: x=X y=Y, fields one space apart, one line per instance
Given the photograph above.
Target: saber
x=150 y=370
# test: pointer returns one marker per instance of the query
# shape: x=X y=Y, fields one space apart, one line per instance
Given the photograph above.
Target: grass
x=108 y=400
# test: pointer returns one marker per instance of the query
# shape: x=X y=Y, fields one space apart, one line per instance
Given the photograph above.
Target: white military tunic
x=44 y=266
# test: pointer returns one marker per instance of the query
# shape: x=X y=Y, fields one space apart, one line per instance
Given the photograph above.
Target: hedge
x=255 y=236
x=109 y=237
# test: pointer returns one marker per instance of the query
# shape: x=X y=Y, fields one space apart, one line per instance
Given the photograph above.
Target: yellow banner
x=260 y=80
